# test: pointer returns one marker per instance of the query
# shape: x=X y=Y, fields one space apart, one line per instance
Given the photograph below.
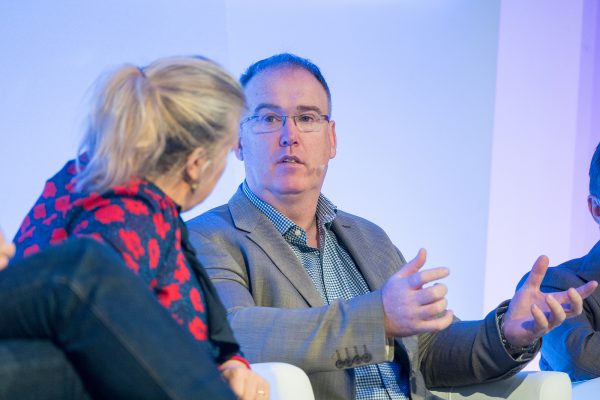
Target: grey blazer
x=573 y=346
x=277 y=314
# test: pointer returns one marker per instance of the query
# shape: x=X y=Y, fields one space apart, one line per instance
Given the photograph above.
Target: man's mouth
x=289 y=160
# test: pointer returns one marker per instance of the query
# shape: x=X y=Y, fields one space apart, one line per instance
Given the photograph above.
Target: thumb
x=413 y=265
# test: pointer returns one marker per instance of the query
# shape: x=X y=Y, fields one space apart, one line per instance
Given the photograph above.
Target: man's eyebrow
x=300 y=108
x=266 y=105
x=309 y=108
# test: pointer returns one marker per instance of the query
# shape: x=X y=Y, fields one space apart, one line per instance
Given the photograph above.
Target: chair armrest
x=586 y=390
x=286 y=381
x=530 y=385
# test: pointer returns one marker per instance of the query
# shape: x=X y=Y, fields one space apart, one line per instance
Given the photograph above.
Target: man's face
x=286 y=161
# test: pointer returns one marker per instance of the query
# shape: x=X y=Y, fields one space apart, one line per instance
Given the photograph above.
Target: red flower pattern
x=49 y=190
x=153 y=252
x=182 y=274
x=130 y=262
x=136 y=207
x=31 y=250
x=49 y=220
x=62 y=204
x=138 y=220
x=39 y=211
x=94 y=200
x=169 y=294
x=198 y=328
x=197 y=300
x=110 y=213
x=58 y=235
x=162 y=227
x=133 y=243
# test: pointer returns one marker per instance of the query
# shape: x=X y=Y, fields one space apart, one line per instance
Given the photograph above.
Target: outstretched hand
x=531 y=313
x=408 y=306
x=7 y=251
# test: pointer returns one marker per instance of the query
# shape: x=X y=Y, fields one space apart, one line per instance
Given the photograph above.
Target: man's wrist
x=518 y=353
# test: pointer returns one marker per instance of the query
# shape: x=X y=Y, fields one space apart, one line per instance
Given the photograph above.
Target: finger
x=431 y=294
x=267 y=389
x=584 y=291
x=417 y=280
x=575 y=304
x=7 y=249
x=12 y=249
x=536 y=276
x=540 y=321
x=413 y=265
x=587 y=289
x=434 y=310
x=250 y=386
x=3 y=261
x=235 y=383
x=557 y=314
x=437 y=324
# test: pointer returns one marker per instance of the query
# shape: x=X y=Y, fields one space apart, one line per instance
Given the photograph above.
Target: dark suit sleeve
x=573 y=346
x=465 y=353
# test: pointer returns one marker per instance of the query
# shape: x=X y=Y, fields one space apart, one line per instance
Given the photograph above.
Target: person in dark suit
x=573 y=346
x=308 y=284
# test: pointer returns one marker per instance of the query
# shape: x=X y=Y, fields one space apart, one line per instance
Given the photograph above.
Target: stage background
x=465 y=127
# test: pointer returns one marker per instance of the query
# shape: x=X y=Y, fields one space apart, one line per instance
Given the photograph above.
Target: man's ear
x=594 y=207
x=238 y=148
x=333 y=141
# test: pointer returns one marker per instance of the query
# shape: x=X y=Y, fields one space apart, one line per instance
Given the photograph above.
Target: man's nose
x=289 y=132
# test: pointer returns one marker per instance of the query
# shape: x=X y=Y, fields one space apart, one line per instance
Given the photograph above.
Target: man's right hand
x=7 y=251
x=410 y=308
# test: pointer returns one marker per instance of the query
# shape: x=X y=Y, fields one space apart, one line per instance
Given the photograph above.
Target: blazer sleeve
x=573 y=346
x=341 y=335
x=467 y=352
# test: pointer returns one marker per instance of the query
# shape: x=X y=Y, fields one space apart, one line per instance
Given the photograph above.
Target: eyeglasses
x=270 y=122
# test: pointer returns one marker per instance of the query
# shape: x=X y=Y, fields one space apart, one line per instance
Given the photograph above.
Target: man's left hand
x=531 y=313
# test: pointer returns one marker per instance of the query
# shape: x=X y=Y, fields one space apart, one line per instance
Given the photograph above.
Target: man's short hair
x=595 y=173
x=283 y=60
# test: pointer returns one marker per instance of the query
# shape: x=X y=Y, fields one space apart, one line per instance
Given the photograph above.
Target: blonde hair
x=145 y=122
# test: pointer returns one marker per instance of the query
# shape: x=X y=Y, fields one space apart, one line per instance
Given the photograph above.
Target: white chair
x=588 y=390
x=526 y=385
x=286 y=381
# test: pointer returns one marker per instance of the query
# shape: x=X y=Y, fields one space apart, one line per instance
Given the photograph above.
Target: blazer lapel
x=259 y=229
x=354 y=240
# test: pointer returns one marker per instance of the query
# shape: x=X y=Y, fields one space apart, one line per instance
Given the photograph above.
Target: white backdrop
x=464 y=127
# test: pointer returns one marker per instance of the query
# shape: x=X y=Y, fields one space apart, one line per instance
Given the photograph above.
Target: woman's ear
x=196 y=163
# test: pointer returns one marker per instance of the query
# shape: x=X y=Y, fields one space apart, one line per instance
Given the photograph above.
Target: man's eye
x=307 y=118
x=269 y=119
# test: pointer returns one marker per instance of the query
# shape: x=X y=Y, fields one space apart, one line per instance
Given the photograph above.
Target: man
x=573 y=347
x=311 y=285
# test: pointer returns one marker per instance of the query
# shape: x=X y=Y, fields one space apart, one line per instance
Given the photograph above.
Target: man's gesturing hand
x=531 y=313
x=409 y=307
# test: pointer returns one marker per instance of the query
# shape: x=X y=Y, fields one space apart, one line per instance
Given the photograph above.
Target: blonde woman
x=156 y=144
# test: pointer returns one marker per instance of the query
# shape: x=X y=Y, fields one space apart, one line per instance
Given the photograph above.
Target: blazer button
x=339 y=364
x=356 y=360
x=366 y=358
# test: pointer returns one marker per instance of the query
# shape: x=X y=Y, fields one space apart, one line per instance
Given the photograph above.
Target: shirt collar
x=326 y=211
